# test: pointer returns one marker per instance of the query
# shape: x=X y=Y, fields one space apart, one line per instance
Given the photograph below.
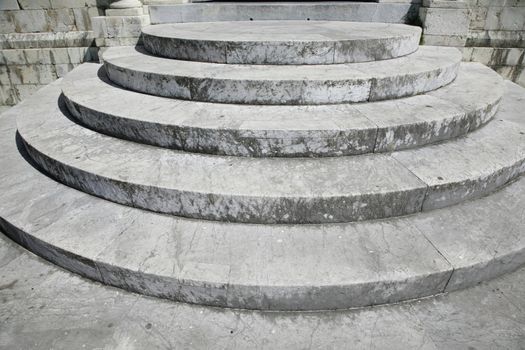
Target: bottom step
x=36 y=313
x=273 y=267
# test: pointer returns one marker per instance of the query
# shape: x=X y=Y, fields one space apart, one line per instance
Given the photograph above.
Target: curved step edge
x=429 y=68
x=321 y=190
x=329 y=130
x=34 y=206
x=265 y=42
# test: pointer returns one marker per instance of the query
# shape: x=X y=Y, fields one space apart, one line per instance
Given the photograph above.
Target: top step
x=281 y=42
x=353 y=11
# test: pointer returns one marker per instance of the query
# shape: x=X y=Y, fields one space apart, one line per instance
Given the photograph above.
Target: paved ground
x=44 y=307
x=4 y=108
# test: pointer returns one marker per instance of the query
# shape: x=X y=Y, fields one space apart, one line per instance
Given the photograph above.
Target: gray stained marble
x=284 y=131
x=36 y=313
x=274 y=267
x=316 y=11
x=281 y=42
x=427 y=69
x=274 y=190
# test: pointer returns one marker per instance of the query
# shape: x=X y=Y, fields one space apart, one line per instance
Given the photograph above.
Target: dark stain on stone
x=8 y=285
x=148 y=325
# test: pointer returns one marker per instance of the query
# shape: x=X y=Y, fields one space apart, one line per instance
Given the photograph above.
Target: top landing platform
x=281 y=42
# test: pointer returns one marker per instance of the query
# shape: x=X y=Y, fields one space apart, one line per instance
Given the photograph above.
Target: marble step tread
x=107 y=318
x=281 y=42
x=427 y=69
x=274 y=267
x=284 y=131
x=273 y=190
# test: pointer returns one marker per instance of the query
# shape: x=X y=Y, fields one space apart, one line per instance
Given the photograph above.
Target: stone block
x=121 y=41
x=120 y=26
x=61 y=20
x=8 y=95
x=505 y=18
x=34 y=4
x=68 y=4
x=443 y=21
x=30 y=21
x=444 y=40
x=478 y=16
x=32 y=74
x=9 y=5
x=491 y=56
x=82 y=18
x=63 y=69
x=451 y=4
x=334 y=11
x=46 y=40
x=136 y=11
x=7 y=24
x=496 y=38
x=4 y=76
x=513 y=73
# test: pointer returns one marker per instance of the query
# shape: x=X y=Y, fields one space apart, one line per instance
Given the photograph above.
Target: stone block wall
x=488 y=31
x=42 y=40
x=497 y=36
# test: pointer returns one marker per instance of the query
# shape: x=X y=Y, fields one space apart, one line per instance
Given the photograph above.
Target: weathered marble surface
x=265 y=190
x=285 y=131
x=291 y=267
x=427 y=69
x=315 y=11
x=281 y=42
x=273 y=190
x=36 y=314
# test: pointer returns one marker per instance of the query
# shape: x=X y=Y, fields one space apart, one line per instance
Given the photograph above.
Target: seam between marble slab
x=452 y=267
x=106 y=280
x=427 y=187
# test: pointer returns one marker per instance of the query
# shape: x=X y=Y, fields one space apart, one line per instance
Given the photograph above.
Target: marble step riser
x=235 y=296
x=273 y=190
x=280 y=92
x=266 y=210
x=315 y=11
x=232 y=208
x=311 y=298
x=284 y=131
x=277 y=143
x=231 y=53
x=275 y=267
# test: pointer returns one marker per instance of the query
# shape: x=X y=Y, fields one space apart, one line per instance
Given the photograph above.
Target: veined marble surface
x=290 y=267
x=281 y=42
x=284 y=131
x=44 y=307
x=275 y=190
x=427 y=69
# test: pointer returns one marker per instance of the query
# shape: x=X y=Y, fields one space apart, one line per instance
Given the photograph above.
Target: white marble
x=281 y=42
x=427 y=69
x=268 y=131
x=276 y=267
x=272 y=190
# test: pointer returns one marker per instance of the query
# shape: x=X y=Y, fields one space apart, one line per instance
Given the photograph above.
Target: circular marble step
x=284 y=131
x=427 y=69
x=272 y=190
x=281 y=42
x=271 y=267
